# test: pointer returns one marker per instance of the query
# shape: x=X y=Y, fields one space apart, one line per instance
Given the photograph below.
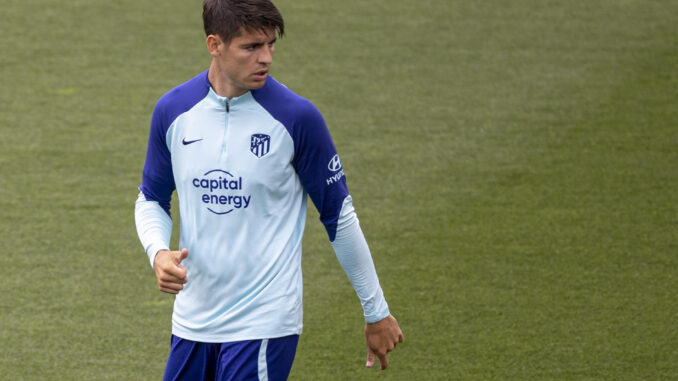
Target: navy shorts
x=267 y=359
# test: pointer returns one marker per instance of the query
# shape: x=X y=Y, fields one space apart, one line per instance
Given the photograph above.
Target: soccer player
x=242 y=152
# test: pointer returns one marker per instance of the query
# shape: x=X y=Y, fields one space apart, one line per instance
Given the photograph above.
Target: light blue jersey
x=242 y=168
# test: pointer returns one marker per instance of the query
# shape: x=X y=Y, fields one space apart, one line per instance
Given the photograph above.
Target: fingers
x=381 y=338
x=370 y=358
x=171 y=288
x=171 y=284
x=175 y=272
x=383 y=361
x=170 y=273
x=173 y=266
x=381 y=354
x=168 y=277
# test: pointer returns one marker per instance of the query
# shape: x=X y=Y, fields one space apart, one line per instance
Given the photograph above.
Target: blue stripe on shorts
x=256 y=360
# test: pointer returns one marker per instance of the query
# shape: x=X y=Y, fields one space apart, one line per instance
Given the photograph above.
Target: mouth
x=261 y=74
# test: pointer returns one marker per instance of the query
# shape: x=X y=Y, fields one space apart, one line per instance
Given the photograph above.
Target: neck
x=221 y=84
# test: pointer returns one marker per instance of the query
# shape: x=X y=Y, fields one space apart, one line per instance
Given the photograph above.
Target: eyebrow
x=256 y=44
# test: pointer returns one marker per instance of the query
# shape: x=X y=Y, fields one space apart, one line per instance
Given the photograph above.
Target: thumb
x=182 y=255
x=370 y=358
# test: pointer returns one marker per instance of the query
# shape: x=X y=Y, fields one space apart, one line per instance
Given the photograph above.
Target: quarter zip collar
x=230 y=103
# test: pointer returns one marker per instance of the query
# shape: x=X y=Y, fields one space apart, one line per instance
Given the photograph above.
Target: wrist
x=153 y=251
x=376 y=318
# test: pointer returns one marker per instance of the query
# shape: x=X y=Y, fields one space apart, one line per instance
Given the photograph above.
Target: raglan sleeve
x=152 y=208
x=317 y=163
x=322 y=175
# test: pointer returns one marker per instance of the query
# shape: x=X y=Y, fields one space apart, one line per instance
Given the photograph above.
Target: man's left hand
x=381 y=337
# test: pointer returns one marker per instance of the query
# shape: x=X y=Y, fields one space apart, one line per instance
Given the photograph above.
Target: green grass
x=514 y=166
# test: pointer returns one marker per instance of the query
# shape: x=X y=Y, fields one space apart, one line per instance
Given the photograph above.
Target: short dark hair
x=225 y=18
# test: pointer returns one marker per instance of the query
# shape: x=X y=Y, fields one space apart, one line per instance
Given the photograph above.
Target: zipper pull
x=227 y=107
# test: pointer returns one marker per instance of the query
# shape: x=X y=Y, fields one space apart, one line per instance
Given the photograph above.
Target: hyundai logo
x=334 y=164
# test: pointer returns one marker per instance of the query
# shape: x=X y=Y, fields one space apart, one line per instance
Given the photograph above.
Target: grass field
x=514 y=165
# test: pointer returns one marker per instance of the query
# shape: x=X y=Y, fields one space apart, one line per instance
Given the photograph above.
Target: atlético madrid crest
x=260 y=144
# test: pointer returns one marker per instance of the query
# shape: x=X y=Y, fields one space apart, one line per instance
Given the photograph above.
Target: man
x=242 y=152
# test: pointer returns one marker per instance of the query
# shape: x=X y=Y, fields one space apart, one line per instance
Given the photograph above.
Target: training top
x=242 y=168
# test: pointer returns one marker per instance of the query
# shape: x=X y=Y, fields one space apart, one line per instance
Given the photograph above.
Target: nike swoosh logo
x=187 y=142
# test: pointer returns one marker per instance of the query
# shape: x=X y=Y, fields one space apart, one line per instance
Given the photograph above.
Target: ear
x=213 y=44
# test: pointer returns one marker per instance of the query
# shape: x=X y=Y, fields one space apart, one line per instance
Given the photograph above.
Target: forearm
x=154 y=226
x=354 y=255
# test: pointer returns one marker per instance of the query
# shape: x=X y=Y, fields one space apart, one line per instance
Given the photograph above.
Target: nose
x=266 y=55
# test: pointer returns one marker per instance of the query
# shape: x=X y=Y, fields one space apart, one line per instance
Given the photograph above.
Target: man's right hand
x=169 y=271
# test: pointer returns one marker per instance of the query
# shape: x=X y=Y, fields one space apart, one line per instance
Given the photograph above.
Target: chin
x=258 y=84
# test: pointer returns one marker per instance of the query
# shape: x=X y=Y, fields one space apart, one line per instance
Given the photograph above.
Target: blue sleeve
x=157 y=183
x=315 y=157
x=319 y=169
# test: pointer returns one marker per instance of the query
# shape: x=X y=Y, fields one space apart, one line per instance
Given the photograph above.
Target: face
x=242 y=64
